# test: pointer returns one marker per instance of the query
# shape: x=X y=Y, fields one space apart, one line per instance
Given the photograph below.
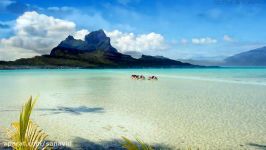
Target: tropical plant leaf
x=143 y=145
x=129 y=145
x=25 y=134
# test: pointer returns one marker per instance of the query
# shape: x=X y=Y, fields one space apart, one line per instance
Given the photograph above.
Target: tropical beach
x=132 y=75
x=215 y=108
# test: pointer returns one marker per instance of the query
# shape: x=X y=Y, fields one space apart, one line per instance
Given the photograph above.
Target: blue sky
x=190 y=29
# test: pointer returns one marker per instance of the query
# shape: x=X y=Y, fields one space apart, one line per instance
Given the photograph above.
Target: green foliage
x=25 y=134
x=129 y=145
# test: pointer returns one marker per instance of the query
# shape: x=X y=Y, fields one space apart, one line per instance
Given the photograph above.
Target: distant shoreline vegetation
x=106 y=68
x=66 y=67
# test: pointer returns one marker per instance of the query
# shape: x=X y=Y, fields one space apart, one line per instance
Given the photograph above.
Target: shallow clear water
x=222 y=108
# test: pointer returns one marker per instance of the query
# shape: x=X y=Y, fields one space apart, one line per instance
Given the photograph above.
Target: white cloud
x=203 y=41
x=39 y=32
x=130 y=42
x=9 y=53
x=81 y=34
x=227 y=38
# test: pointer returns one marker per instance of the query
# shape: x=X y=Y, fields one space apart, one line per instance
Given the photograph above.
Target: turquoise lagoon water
x=218 y=108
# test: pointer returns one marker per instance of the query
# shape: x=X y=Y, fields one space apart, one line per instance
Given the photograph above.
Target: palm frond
x=129 y=145
x=25 y=134
x=144 y=146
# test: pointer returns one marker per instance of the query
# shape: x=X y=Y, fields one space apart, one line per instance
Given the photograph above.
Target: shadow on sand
x=68 y=110
x=257 y=146
x=79 y=143
x=71 y=110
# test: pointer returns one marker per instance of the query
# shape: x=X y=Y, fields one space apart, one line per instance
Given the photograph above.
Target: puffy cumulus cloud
x=227 y=38
x=9 y=53
x=203 y=41
x=129 y=42
x=38 y=32
x=81 y=34
x=125 y=42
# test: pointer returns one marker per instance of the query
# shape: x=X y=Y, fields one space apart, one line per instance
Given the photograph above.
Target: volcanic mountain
x=95 y=51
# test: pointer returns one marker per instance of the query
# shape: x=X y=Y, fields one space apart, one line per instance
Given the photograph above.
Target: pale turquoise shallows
x=223 y=108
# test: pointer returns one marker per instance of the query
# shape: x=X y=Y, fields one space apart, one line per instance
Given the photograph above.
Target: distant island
x=95 y=51
x=256 y=57
x=250 y=58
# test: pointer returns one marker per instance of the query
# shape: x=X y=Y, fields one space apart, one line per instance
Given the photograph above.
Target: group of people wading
x=141 y=77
